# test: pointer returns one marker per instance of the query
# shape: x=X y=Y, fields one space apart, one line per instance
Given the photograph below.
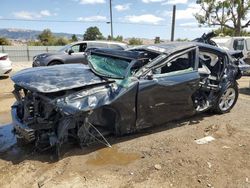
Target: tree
x=46 y=37
x=135 y=41
x=61 y=41
x=182 y=40
x=93 y=33
x=34 y=43
x=4 y=41
x=229 y=32
x=231 y=14
x=118 y=38
x=74 y=38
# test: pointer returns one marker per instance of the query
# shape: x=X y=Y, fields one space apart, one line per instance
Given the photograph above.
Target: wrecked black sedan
x=121 y=92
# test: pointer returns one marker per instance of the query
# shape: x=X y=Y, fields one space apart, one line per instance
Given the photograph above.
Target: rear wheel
x=227 y=99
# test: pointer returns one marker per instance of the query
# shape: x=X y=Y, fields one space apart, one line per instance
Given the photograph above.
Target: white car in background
x=5 y=64
x=235 y=43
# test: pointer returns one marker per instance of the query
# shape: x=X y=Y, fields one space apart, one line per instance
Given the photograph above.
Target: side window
x=181 y=63
x=83 y=47
x=115 y=46
x=238 y=44
x=76 y=48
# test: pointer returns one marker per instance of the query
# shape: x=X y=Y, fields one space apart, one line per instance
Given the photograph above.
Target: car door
x=77 y=54
x=167 y=94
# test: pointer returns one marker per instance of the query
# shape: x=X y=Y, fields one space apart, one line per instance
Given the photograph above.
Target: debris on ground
x=209 y=164
x=205 y=140
x=158 y=167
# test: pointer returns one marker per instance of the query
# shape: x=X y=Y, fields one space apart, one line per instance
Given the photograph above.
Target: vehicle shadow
x=245 y=91
x=16 y=154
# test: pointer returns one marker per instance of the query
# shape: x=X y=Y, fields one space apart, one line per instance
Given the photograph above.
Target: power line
x=79 y=21
x=99 y=22
x=34 y=20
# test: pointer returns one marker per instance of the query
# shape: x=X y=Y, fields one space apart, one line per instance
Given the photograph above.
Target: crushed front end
x=34 y=117
x=60 y=104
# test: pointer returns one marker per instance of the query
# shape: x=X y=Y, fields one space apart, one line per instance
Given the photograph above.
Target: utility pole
x=111 y=19
x=173 y=23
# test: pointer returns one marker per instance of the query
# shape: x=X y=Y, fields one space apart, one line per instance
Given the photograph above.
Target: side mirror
x=70 y=51
x=150 y=76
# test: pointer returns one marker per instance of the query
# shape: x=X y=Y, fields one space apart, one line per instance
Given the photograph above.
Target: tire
x=55 y=63
x=227 y=99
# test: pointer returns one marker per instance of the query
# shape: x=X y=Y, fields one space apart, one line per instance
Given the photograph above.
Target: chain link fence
x=26 y=53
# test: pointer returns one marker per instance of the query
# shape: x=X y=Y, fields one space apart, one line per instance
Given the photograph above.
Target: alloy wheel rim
x=227 y=99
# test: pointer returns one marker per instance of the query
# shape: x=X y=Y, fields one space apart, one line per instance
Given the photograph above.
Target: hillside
x=24 y=34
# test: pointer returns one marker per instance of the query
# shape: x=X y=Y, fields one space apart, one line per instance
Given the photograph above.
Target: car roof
x=164 y=48
x=171 y=47
x=99 y=41
x=130 y=55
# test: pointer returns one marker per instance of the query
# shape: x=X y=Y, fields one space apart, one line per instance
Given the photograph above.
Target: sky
x=131 y=18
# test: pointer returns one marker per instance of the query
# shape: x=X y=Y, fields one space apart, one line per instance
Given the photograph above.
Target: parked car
x=237 y=47
x=74 y=53
x=236 y=43
x=5 y=64
x=121 y=92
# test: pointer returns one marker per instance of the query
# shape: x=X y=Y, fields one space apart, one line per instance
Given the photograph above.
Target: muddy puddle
x=7 y=138
x=112 y=156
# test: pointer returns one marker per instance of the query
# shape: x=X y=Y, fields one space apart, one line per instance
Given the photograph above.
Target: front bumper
x=20 y=129
x=36 y=63
x=5 y=67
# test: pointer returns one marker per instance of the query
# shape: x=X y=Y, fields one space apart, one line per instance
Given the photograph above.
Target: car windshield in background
x=64 y=49
x=109 y=66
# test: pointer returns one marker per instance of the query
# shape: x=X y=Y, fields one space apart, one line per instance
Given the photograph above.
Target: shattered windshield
x=109 y=66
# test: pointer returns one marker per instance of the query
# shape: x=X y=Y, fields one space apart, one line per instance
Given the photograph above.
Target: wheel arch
x=55 y=60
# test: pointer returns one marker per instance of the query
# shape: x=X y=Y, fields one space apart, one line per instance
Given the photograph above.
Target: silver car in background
x=74 y=53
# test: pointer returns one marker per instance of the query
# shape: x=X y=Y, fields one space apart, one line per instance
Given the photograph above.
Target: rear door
x=167 y=94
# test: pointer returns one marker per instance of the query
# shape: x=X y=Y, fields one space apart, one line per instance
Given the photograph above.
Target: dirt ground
x=166 y=156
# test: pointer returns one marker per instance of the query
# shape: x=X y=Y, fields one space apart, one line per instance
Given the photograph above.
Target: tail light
x=4 y=57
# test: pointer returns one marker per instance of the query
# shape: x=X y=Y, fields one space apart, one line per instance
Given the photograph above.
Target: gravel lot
x=165 y=156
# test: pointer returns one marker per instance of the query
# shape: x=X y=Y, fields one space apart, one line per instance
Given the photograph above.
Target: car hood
x=57 y=78
x=48 y=54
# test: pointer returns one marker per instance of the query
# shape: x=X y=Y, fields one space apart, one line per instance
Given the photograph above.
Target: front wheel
x=227 y=99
